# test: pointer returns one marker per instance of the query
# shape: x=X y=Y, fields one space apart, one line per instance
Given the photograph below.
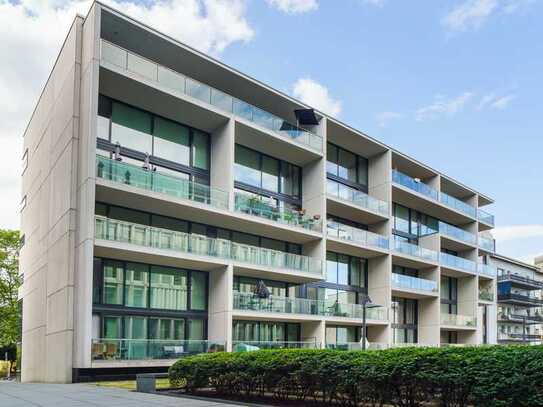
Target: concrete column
x=222 y=159
x=429 y=321
x=221 y=288
x=314 y=330
x=380 y=177
x=380 y=292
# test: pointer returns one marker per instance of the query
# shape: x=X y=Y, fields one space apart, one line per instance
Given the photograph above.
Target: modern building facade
x=520 y=317
x=172 y=205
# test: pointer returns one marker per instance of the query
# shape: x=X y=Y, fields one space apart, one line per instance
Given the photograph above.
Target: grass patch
x=131 y=384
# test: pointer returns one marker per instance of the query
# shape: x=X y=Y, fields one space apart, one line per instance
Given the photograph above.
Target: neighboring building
x=163 y=189
x=520 y=316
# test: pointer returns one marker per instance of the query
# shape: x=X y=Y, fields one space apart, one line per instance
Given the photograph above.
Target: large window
x=170 y=144
x=151 y=287
x=346 y=270
x=411 y=224
x=449 y=295
x=249 y=331
x=346 y=167
x=265 y=173
x=404 y=320
x=339 y=335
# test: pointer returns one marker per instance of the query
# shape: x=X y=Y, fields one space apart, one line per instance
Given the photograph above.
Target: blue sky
x=454 y=84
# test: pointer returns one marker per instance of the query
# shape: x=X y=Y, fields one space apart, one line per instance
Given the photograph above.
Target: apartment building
x=520 y=317
x=172 y=205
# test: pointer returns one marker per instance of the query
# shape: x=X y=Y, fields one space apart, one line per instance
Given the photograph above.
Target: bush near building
x=451 y=376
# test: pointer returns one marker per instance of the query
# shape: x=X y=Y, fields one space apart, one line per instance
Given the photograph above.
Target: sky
x=455 y=84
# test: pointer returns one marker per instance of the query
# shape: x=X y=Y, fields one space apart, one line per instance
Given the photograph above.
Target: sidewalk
x=85 y=395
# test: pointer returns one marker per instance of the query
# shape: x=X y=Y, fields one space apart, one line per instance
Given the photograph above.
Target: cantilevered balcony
x=458 y=321
x=372 y=243
x=302 y=306
x=523 y=282
x=429 y=200
x=119 y=58
x=487 y=244
x=155 y=181
x=519 y=299
x=457 y=263
x=486 y=270
x=413 y=251
x=253 y=206
x=414 y=284
x=456 y=233
x=375 y=209
x=485 y=218
x=518 y=337
x=533 y=319
x=180 y=242
x=244 y=346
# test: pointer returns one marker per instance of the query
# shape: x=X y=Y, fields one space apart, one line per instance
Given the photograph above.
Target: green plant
x=493 y=376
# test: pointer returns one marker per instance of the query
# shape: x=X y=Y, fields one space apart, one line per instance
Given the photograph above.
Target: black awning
x=306 y=117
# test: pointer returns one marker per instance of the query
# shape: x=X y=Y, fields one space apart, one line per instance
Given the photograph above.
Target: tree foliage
x=489 y=376
x=10 y=316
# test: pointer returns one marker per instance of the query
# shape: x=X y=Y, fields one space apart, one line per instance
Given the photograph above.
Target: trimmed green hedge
x=404 y=377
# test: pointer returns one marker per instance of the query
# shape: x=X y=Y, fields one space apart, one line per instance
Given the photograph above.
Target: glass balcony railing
x=256 y=207
x=129 y=174
x=356 y=197
x=417 y=186
x=457 y=204
x=141 y=349
x=485 y=217
x=487 y=244
x=486 y=295
x=244 y=346
x=457 y=233
x=176 y=82
x=487 y=270
x=448 y=260
x=142 y=235
x=414 y=250
x=289 y=305
x=413 y=283
x=351 y=234
x=458 y=320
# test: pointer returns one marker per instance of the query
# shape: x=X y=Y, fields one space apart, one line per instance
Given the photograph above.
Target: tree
x=10 y=315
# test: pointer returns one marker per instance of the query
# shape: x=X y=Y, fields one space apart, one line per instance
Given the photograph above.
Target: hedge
x=404 y=377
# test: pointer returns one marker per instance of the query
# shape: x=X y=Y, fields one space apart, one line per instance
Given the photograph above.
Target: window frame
x=334 y=177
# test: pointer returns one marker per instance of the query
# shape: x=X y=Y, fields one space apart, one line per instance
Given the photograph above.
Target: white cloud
x=316 y=95
x=32 y=33
x=384 y=118
x=443 y=106
x=474 y=13
x=506 y=233
x=493 y=101
x=294 y=6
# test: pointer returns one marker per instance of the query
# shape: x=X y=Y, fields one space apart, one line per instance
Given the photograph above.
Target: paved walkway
x=85 y=395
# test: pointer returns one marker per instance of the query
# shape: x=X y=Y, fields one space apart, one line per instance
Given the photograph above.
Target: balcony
x=485 y=295
x=457 y=233
x=519 y=299
x=303 y=306
x=108 y=350
x=417 y=186
x=461 y=321
x=357 y=198
x=487 y=244
x=255 y=207
x=485 y=217
x=521 y=281
x=518 y=337
x=521 y=318
x=244 y=346
x=414 y=250
x=457 y=204
x=402 y=282
x=148 y=236
x=177 y=187
x=174 y=81
x=357 y=236
x=459 y=263
x=486 y=270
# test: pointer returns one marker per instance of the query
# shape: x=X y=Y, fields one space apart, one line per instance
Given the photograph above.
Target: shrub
x=493 y=376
